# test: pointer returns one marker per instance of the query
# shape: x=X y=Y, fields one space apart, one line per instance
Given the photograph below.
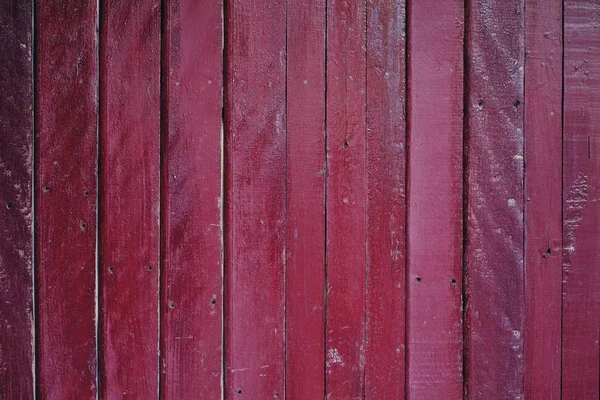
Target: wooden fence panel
x=191 y=284
x=581 y=208
x=129 y=201
x=16 y=133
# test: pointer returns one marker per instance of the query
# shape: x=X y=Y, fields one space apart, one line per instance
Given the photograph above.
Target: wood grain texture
x=255 y=199
x=543 y=195
x=191 y=191
x=346 y=199
x=66 y=159
x=581 y=206
x=434 y=309
x=385 y=348
x=305 y=252
x=494 y=253
x=129 y=201
x=16 y=139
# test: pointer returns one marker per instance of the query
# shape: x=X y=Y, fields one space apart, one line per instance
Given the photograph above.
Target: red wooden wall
x=301 y=199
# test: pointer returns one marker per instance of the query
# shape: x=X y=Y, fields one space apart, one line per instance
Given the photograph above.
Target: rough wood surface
x=16 y=131
x=581 y=206
x=305 y=252
x=543 y=198
x=434 y=276
x=255 y=184
x=129 y=201
x=494 y=147
x=385 y=349
x=191 y=302
x=346 y=199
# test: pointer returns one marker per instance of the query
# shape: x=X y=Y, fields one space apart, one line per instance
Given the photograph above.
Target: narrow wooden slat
x=434 y=279
x=305 y=252
x=386 y=207
x=581 y=208
x=191 y=193
x=129 y=202
x=346 y=198
x=494 y=254
x=66 y=158
x=16 y=128
x=543 y=182
x=255 y=199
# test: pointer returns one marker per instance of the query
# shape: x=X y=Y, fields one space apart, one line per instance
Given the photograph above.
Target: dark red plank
x=434 y=279
x=66 y=158
x=385 y=349
x=494 y=253
x=581 y=209
x=305 y=252
x=255 y=199
x=346 y=199
x=191 y=193
x=129 y=202
x=16 y=131
x=543 y=182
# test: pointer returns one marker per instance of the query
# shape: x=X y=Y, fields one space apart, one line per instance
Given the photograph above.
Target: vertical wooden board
x=581 y=208
x=543 y=193
x=191 y=192
x=305 y=253
x=255 y=199
x=386 y=207
x=16 y=127
x=494 y=253
x=346 y=199
x=129 y=202
x=434 y=279
x=66 y=159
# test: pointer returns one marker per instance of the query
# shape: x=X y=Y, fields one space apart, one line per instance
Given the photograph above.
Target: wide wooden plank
x=255 y=183
x=494 y=253
x=435 y=176
x=16 y=140
x=191 y=306
x=581 y=208
x=305 y=251
x=385 y=349
x=129 y=201
x=346 y=199
x=543 y=205
x=66 y=159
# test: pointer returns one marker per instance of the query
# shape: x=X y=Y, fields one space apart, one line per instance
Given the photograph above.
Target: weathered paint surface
x=16 y=130
x=65 y=220
x=255 y=184
x=434 y=276
x=305 y=250
x=346 y=200
x=129 y=198
x=191 y=302
x=494 y=190
x=543 y=198
x=385 y=348
x=581 y=208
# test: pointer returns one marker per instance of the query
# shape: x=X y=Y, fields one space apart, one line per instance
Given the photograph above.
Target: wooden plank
x=543 y=205
x=255 y=199
x=386 y=207
x=346 y=199
x=435 y=179
x=16 y=139
x=494 y=253
x=305 y=252
x=66 y=159
x=581 y=208
x=129 y=202
x=191 y=193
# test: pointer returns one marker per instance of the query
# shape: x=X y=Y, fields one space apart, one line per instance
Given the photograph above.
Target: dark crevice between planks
x=325 y=183
x=163 y=190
